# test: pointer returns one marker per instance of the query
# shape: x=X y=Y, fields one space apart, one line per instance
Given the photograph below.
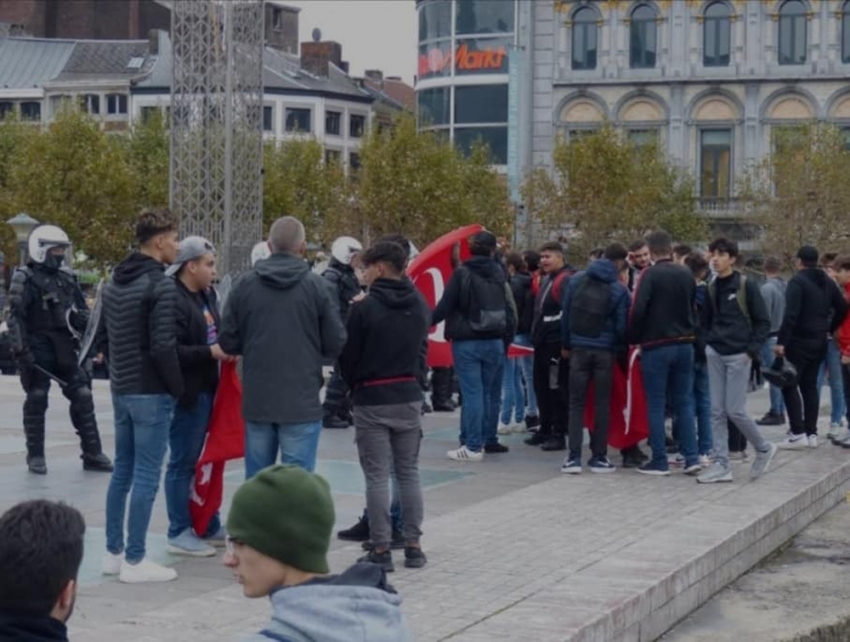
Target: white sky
x=374 y=34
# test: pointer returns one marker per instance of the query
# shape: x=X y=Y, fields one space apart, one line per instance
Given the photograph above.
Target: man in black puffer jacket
x=814 y=307
x=144 y=375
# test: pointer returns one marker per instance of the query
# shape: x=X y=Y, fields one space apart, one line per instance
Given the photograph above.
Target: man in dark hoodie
x=282 y=319
x=282 y=554
x=199 y=353
x=478 y=317
x=381 y=363
x=814 y=307
x=41 y=549
x=144 y=375
x=593 y=330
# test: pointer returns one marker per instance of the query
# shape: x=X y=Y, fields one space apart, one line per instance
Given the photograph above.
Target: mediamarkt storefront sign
x=468 y=59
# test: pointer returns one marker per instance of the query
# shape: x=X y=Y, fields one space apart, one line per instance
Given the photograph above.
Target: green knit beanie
x=286 y=513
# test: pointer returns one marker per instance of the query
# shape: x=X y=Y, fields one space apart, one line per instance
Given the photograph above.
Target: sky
x=374 y=34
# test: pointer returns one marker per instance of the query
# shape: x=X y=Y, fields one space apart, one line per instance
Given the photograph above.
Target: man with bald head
x=283 y=320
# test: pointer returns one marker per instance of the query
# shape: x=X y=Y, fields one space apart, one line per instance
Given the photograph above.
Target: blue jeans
x=670 y=367
x=777 y=403
x=186 y=441
x=832 y=366
x=479 y=366
x=702 y=401
x=141 y=437
x=522 y=401
x=297 y=443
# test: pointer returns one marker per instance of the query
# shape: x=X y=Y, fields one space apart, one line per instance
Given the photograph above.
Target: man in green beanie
x=279 y=529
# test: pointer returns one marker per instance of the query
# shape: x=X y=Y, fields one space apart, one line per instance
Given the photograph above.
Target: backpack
x=740 y=294
x=589 y=308
x=487 y=304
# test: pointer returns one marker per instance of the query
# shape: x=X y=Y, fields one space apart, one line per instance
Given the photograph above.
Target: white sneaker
x=843 y=437
x=112 y=563
x=463 y=454
x=813 y=441
x=504 y=429
x=794 y=442
x=835 y=430
x=677 y=460
x=519 y=427
x=705 y=461
x=146 y=571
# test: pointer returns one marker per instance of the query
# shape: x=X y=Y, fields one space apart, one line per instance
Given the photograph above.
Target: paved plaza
x=517 y=551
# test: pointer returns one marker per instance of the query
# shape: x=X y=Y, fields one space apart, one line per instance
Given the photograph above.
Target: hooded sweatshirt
x=814 y=307
x=382 y=358
x=356 y=606
x=283 y=320
x=613 y=334
x=18 y=627
x=138 y=331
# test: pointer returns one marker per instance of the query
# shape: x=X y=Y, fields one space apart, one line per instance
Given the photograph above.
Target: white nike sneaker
x=146 y=572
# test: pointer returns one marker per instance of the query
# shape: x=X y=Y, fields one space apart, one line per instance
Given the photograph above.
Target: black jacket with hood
x=814 y=306
x=458 y=305
x=524 y=299
x=138 y=329
x=729 y=331
x=197 y=366
x=20 y=627
x=382 y=358
x=283 y=320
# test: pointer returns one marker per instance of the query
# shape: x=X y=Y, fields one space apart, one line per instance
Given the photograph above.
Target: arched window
x=643 y=40
x=845 y=32
x=585 y=38
x=792 y=33
x=716 y=35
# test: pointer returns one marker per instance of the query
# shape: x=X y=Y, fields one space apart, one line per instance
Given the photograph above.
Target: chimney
x=315 y=56
x=375 y=74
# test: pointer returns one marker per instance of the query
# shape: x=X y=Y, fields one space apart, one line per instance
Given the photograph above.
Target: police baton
x=49 y=374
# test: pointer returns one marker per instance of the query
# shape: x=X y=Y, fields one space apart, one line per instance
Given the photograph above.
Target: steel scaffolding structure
x=216 y=124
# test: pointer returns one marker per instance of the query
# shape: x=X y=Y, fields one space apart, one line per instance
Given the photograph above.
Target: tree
x=604 y=189
x=420 y=185
x=148 y=155
x=13 y=138
x=74 y=175
x=800 y=195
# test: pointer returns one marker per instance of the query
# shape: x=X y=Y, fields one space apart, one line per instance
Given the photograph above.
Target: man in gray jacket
x=282 y=319
x=773 y=292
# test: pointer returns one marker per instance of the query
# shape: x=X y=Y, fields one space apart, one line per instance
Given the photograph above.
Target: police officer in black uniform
x=47 y=311
x=340 y=272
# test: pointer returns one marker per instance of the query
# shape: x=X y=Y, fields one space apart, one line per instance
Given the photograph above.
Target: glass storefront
x=496 y=138
x=434 y=106
x=481 y=104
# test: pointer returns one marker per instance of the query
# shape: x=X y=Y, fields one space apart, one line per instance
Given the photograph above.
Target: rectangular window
x=332 y=156
x=585 y=36
x=792 y=40
x=116 y=104
x=356 y=126
x=434 y=106
x=333 y=123
x=354 y=161
x=277 y=19
x=481 y=104
x=845 y=35
x=484 y=16
x=496 y=139
x=715 y=163
x=268 y=118
x=90 y=103
x=147 y=113
x=298 y=120
x=641 y=137
x=7 y=107
x=31 y=111
x=643 y=44
x=435 y=20
x=717 y=45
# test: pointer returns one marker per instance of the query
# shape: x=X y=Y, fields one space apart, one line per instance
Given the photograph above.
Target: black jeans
x=588 y=365
x=551 y=377
x=803 y=401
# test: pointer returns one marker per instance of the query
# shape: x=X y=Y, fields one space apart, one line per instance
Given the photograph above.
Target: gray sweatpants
x=728 y=380
x=387 y=436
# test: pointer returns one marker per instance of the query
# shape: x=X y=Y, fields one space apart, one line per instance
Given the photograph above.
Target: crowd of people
x=538 y=347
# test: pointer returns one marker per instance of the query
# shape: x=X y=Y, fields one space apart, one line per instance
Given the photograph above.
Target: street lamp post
x=22 y=225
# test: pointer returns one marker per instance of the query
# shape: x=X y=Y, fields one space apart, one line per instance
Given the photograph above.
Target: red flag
x=225 y=441
x=629 y=417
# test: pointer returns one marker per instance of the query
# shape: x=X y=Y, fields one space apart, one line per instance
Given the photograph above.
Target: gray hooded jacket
x=283 y=320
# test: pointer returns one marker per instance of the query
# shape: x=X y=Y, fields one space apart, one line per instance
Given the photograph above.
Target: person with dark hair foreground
x=41 y=549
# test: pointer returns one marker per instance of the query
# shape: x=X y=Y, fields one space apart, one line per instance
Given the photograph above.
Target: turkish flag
x=225 y=441
x=430 y=271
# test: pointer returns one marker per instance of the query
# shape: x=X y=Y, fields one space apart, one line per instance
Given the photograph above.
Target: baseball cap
x=191 y=248
x=484 y=239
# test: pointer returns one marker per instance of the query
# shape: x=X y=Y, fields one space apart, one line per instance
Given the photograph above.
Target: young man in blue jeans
x=199 y=353
x=282 y=319
x=144 y=375
x=663 y=324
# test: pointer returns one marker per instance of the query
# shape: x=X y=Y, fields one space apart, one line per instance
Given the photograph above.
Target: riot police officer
x=340 y=272
x=47 y=311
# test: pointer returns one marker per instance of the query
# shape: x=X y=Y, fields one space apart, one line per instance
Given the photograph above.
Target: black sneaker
x=554 y=443
x=414 y=557
x=532 y=422
x=495 y=448
x=396 y=544
x=536 y=439
x=99 y=463
x=444 y=405
x=771 y=419
x=334 y=422
x=357 y=533
x=384 y=560
x=37 y=465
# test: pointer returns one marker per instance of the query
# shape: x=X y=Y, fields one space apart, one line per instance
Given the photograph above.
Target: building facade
x=710 y=80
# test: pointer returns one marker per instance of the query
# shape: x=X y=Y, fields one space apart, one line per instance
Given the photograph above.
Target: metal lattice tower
x=216 y=124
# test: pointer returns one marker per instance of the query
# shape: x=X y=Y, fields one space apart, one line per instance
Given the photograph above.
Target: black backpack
x=487 y=305
x=589 y=307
